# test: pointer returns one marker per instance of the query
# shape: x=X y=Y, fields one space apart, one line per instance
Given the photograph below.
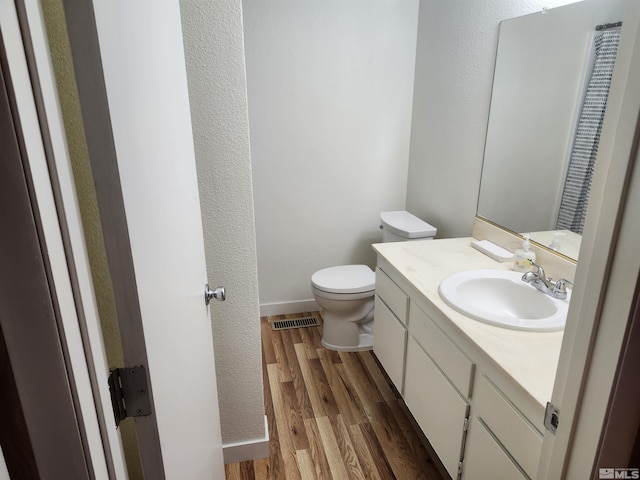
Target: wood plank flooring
x=332 y=416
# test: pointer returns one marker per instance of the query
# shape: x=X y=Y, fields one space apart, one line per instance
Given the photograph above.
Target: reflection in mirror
x=551 y=82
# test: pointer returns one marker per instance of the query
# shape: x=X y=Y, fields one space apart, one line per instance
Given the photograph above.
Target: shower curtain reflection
x=575 y=196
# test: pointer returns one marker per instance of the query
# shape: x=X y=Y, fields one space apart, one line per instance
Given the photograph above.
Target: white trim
x=285 y=308
x=250 y=450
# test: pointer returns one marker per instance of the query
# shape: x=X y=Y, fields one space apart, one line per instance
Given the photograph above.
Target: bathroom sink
x=500 y=297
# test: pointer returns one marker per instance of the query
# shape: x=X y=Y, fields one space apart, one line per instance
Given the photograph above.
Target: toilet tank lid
x=345 y=279
x=407 y=225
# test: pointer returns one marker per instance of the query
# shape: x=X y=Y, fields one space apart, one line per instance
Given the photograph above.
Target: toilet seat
x=345 y=279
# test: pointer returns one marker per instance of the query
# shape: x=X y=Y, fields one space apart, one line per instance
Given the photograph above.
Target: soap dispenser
x=524 y=256
x=555 y=241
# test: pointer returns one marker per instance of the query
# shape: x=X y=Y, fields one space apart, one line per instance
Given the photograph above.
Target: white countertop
x=530 y=358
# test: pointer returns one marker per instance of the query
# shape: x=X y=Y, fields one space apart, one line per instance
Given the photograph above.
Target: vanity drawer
x=389 y=342
x=392 y=295
x=519 y=437
x=455 y=364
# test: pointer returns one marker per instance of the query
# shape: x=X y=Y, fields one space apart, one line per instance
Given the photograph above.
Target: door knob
x=217 y=293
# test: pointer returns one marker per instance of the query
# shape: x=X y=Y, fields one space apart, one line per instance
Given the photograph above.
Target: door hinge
x=460 y=468
x=551 y=417
x=129 y=392
x=465 y=425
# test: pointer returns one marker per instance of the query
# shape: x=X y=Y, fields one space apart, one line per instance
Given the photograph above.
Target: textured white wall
x=330 y=94
x=455 y=58
x=217 y=89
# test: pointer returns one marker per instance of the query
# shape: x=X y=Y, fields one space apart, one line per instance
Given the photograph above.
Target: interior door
x=129 y=66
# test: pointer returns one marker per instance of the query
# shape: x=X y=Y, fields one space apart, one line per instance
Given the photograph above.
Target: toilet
x=346 y=293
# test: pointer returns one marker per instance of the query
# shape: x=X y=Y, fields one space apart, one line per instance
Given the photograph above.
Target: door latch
x=551 y=417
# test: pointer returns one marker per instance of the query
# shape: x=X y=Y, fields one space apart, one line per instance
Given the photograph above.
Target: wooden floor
x=332 y=415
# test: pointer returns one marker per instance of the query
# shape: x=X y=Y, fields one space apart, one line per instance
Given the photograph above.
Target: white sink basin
x=500 y=297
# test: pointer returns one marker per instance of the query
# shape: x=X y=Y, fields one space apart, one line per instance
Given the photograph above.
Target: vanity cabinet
x=390 y=338
x=468 y=408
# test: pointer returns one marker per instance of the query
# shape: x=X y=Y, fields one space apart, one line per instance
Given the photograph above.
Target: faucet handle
x=539 y=269
x=561 y=286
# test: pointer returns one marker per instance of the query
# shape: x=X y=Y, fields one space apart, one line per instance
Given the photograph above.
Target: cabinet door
x=436 y=405
x=389 y=342
x=454 y=364
x=485 y=459
x=503 y=419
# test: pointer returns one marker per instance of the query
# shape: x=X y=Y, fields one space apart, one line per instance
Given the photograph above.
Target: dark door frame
x=619 y=441
x=87 y=65
x=38 y=376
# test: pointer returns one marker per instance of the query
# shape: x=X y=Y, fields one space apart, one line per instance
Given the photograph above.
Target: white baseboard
x=251 y=450
x=284 y=308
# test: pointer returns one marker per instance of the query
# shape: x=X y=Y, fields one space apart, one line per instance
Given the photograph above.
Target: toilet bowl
x=346 y=293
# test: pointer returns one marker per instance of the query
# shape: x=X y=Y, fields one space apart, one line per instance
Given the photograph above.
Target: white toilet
x=346 y=293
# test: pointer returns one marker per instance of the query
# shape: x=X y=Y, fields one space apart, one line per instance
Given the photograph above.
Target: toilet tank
x=401 y=226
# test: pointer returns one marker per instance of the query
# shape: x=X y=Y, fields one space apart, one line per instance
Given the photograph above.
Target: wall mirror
x=545 y=68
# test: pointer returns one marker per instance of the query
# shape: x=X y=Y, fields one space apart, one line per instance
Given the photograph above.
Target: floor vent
x=294 y=323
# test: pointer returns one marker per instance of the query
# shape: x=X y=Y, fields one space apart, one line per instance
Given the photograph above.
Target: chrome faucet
x=539 y=280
